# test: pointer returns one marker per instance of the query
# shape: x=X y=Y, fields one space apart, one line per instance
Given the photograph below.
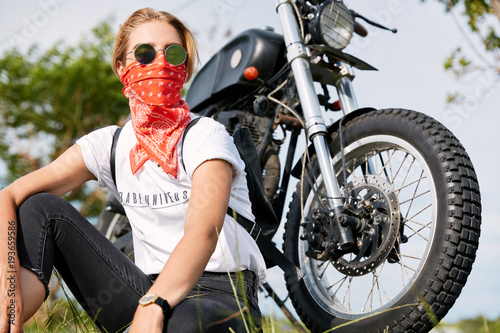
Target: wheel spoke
x=417 y=232
x=404 y=268
x=406 y=186
x=341 y=281
x=414 y=197
x=409 y=169
x=324 y=270
x=409 y=257
x=370 y=295
x=386 y=165
x=413 y=218
x=401 y=165
x=380 y=288
x=347 y=293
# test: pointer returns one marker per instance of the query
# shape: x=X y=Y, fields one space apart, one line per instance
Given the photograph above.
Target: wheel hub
x=376 y=204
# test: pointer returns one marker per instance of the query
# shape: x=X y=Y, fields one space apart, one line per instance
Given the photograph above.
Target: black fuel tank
x=223 y=73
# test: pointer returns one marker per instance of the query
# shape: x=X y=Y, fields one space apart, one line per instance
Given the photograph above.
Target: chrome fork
x=316 y=129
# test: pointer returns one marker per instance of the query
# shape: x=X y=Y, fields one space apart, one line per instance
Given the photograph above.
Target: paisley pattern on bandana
x=159 y=116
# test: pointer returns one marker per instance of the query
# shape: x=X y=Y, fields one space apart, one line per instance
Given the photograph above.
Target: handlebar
x=362 y=30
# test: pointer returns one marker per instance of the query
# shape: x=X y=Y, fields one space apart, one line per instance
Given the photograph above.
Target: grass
x=60 y=313
x=63 y=316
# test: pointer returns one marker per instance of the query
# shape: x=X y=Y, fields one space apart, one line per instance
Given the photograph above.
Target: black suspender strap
x=267 y=247
x=112 y=156
x=191 y=123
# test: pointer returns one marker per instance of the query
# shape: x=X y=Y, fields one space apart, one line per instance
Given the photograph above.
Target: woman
x=186 y=247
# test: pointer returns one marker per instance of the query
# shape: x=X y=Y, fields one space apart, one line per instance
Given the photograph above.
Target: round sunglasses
x=145 y=54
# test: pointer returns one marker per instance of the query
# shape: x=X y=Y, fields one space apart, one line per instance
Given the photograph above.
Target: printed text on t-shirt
x=153 y=200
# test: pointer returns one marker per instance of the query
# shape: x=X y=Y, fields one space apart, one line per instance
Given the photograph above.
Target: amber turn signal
x=337 y=106
x=251 y=73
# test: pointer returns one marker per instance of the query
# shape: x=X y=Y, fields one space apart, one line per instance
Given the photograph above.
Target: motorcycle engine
x=256 y=124
x=268 y=151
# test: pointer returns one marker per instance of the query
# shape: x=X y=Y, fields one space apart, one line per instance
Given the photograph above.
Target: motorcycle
x=385 y=218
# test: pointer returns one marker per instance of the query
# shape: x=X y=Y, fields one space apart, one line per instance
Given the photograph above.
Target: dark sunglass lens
x=145 y=54
x=175 y=55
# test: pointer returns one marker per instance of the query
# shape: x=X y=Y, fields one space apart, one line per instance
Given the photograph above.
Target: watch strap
x=163 y=304
x=154 y=298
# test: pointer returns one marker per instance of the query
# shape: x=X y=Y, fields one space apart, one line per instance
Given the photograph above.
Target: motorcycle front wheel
x=413 y=166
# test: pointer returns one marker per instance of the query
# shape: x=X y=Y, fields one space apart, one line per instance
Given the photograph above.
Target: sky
x=410 y=75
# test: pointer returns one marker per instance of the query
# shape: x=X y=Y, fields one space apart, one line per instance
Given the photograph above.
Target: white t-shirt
x=156 y=202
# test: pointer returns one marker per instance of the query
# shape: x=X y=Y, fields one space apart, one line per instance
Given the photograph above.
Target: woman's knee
x=41 y=202
x=41 y=208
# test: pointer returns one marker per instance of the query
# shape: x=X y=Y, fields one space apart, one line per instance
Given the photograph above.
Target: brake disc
x=378 y=205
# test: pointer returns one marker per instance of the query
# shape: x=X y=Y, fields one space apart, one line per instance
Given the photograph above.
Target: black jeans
x=108 y=285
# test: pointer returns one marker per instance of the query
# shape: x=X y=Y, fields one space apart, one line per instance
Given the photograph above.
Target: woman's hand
x=148 y=319
x=11 y=298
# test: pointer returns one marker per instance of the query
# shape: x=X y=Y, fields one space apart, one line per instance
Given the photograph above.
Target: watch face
x=147 y=299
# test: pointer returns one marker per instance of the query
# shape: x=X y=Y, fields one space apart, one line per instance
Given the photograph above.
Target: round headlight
x=332 y=24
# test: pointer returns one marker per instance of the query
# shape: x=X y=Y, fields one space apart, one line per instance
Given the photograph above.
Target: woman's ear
x=120 y=66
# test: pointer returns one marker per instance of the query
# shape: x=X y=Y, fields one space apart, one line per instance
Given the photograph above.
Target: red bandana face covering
x=159 y=116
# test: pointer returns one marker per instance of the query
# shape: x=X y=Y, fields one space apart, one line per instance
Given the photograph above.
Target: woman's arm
x=207 y=208
x=61 y=176
x=64 y=174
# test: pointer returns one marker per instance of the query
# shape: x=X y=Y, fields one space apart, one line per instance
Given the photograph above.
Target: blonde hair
x=146 y=15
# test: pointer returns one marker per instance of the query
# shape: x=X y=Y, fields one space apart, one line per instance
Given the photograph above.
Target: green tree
x=483 y=40
x=49 y=99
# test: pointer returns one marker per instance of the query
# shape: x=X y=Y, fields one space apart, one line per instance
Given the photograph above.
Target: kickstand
x=283 y=307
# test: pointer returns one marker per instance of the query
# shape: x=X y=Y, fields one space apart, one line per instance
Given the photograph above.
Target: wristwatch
x=154 y=298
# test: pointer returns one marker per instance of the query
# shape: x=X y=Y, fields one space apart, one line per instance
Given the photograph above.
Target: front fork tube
x=348 y=99
x=315 y=125
x=346 y=94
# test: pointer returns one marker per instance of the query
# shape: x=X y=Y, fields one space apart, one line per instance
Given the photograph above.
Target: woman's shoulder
x=206 y=140
x=206 y=122
x=205 y=127
x=99 y=137
x=103 y=132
